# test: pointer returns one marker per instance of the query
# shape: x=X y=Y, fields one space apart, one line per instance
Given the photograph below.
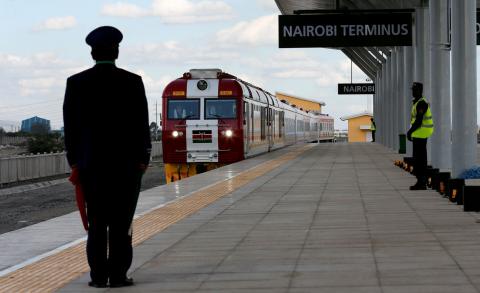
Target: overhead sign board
x=345 y=30
x=478 y=27
x=356 y=88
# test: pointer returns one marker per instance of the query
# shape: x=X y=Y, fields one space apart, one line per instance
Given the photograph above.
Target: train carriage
x=211 y=118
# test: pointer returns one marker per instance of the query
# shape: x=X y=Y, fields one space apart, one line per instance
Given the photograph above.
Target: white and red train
x=211 y=118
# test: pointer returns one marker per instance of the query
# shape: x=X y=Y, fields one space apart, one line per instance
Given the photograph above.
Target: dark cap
x=417 y=85
x=104 y=36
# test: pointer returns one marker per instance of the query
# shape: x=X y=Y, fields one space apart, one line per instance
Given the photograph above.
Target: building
x=359 y=127
x=305 y=104
x=28 y=123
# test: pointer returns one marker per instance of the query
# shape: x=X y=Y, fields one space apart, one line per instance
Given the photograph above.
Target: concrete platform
x=337 y=218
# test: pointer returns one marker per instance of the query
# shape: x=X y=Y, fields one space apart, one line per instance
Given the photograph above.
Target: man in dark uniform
x=420 y=130
x=107 y=139
x=373 y=128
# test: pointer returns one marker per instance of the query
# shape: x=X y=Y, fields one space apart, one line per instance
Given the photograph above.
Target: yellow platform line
x=55 y=271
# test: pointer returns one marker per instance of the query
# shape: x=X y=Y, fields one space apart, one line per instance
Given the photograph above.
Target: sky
x=43 y=43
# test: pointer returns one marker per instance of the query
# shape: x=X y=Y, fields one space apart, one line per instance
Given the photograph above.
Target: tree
x=154 y=131
x=45 y=143
x=38 y=128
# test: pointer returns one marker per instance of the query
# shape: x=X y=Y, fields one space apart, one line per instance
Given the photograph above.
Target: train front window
x=220 y=109
x=183 y=109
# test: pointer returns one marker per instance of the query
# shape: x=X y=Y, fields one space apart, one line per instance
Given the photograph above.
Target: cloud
x=174 y=12
x=175 y=53
x=123 y=10
x=38 y=86
x=154 y=85
x=257 y=32
x=269 y=5
x=35 y=81
x=187 y=11
x=57 y=23
x=9 y=60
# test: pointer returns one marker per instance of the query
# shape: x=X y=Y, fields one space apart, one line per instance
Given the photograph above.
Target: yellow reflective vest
x=426 y=129
x=372 y=127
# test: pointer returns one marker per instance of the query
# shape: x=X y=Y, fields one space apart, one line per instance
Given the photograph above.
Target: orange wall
x=306 y=105
x=355 y=134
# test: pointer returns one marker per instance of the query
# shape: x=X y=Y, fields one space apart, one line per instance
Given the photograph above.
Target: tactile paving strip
x=57 y=270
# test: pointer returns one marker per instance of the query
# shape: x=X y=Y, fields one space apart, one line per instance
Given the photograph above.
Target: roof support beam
x=360 y=63
x=371 y=66
x=369 y=57
x=377 y=54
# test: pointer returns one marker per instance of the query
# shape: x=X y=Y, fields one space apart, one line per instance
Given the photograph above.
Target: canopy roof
x=289 y=6
x=368 y=59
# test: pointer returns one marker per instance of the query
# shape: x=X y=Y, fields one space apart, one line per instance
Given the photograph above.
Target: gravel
x=30 y=207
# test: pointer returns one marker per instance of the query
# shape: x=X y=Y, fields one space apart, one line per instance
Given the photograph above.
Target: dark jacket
x=105 y=116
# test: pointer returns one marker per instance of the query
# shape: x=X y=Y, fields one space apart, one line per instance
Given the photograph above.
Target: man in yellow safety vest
x=421 y=129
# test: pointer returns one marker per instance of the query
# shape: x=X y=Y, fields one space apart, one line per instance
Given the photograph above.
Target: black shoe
x=97 y=284
x=123 y=283
x=418 y=187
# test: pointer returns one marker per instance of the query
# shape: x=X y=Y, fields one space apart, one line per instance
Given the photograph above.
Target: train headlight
x=228 y=133
x=177 y=133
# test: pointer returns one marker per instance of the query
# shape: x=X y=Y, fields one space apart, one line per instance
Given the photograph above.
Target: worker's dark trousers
x=111 y=202
x=373 y=135
x=420 y=159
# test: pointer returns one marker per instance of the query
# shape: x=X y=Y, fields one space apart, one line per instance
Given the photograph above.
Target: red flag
x=74 y=178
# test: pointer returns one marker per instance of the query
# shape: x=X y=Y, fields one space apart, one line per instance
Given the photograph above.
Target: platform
x=311 y=218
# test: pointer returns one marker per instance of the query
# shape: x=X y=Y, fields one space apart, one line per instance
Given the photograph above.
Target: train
x=211 y=118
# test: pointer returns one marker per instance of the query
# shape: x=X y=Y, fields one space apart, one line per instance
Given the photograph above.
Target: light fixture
x=228 y=133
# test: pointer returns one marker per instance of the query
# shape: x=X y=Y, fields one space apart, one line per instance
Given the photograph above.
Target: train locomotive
x=211 y=118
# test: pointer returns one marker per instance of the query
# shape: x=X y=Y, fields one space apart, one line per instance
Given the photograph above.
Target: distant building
x=305 y=104
x=28 y=123
x=359 y=127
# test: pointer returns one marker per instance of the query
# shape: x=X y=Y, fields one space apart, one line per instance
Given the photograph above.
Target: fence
x=156 y=149
x=12 y=140
x=21 y=168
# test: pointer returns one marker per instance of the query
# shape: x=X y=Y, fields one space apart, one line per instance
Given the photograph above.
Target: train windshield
x=183 y=109
x=215 y=109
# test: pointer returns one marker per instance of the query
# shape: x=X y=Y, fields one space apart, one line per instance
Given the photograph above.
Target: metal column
x=464 y=86
x=419 y=49
x=388 y=130
x=441 y=148
x=408 y=74
x=394 y=100
x=419 y=46
x=400 y=94
x=383 y=123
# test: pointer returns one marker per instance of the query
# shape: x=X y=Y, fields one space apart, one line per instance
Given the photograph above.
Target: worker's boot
x=419 y=186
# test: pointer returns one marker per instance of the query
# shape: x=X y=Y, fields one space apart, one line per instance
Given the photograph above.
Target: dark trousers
x=373 y=135
x=111 y=202
x=420 y=159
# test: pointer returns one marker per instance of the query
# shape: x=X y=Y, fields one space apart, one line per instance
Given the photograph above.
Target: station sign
x=356 y=88
x=478 y=27
x=345 y=30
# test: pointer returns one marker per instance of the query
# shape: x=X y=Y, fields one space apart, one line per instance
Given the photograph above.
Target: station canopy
x=368 y=59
